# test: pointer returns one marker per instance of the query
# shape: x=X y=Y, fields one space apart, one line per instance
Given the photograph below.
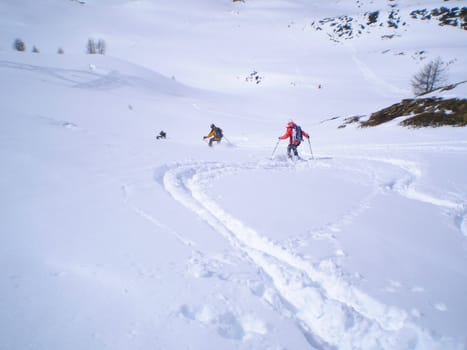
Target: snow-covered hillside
x=110 y=238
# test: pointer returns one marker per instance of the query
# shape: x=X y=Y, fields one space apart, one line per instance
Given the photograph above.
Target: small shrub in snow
x=19 y=45
x=35 y=49
x=254 y=77
x=373 y=17
x=60 y=51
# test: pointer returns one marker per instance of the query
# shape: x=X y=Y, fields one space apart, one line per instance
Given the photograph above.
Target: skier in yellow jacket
x=214 y=135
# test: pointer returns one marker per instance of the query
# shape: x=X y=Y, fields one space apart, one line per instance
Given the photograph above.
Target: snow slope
x=113 y=239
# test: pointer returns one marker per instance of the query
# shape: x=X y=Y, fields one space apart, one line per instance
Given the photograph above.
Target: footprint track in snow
x=228 y=324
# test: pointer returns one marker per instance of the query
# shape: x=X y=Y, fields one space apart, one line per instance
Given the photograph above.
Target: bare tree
x=91 y=47
x=430 y=77
x=101 y=47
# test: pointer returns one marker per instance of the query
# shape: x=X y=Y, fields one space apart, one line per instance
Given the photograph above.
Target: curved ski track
x=330 y=310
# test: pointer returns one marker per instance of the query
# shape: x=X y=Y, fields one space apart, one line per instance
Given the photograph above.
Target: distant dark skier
x=295 y=135
x=214 y=135
x=162 y=135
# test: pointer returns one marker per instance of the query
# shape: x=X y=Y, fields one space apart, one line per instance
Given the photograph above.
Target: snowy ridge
x=98 y=75
x=331 y=310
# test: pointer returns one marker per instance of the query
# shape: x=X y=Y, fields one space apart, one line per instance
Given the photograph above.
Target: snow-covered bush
x=19 y=45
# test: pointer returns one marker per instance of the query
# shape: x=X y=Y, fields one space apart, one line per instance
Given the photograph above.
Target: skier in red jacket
x=295 y=134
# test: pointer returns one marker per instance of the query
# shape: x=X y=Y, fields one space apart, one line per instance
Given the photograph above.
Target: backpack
x=218 y=132
x=297 y=135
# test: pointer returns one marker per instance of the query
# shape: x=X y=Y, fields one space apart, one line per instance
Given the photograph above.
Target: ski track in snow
x=370 y=75
x=126 y=195
x=405 y=186
x=68 y=76
x=330 y=311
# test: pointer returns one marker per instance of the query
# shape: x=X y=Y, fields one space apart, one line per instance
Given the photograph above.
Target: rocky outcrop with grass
x=423 y=112
x=429 y=110
x=456 y=16
x=346 y=27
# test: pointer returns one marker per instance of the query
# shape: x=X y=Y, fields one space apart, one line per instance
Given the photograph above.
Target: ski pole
x=311 y=151
x=277 y=144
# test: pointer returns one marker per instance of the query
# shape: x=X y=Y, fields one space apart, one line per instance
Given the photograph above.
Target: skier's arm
x=286 y=135
x=305 y=134
x=212 y=133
